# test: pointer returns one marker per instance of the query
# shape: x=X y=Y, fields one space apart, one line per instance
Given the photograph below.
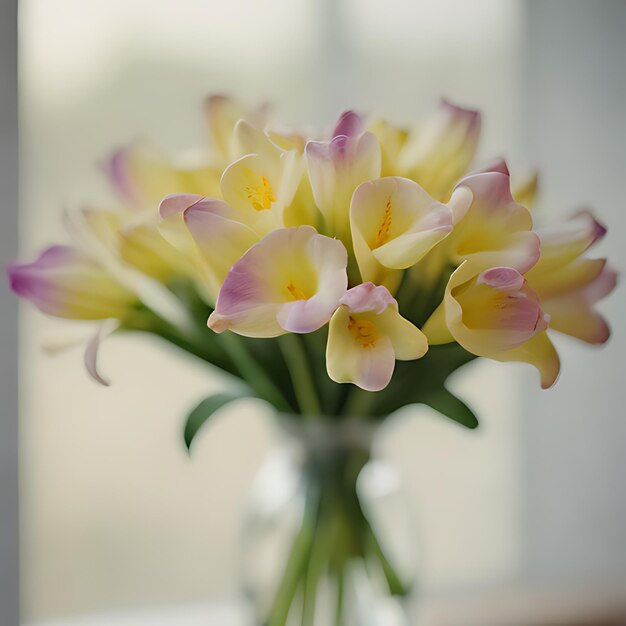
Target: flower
x=261 y=184
x=207 y=232
x=65 y=282
x=337 y=167
x=437 y=154
x=290 y=281
x=569 y=286
x=494 y=313
x=367 y=335
x=141 y=176
x=223 y=113
x=394 y=224
x=490 y=227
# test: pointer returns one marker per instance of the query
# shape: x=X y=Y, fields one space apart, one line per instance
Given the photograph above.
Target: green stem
x=359 y=403
x=396 y=586
x=340 y=592
x=294 y=571
x=252 y=372
x=298 y=365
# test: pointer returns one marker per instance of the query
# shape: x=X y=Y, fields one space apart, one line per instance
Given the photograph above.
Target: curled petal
x=348 y=362
x=495 y=314
x=490 y=227
x=64 y=282
x=290 y=281
x=207 y=233
x=349 y=124
x=440 y=152
x=367 y=335
x=395 y=223
x=220 y=238
x=92 y=348
x=369 y=297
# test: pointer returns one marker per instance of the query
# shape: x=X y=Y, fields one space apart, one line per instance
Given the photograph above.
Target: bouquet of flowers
x=342 y=277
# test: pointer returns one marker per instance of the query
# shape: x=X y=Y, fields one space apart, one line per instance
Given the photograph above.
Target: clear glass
x=327 y=538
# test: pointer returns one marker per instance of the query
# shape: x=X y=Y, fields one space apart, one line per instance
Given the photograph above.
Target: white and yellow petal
x=490 y=227
x=142 y=176
x=65 y=282
x=438 y=153
x=290 y=281
x=206 y=231
x=261 y=184
x=336 y=168
x=367 y=335
x=495 y=314
x=395 y=223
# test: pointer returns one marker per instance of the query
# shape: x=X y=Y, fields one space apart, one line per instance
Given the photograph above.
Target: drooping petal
x=568 y=284
x=539 y=352
x=290 y=281
x=367 y=335
x=64 y=282
x=336 y=169
x=572 y=310
x=92 y=348
x=564 y=241
x=394 y=224
x=491 y=229
x=440 y=152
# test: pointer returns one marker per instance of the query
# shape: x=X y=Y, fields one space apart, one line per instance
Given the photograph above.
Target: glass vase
x=327 y=536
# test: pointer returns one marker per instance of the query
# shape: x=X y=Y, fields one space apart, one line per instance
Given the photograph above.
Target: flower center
x=363 y=331
x=261 y=196
x=296 y=294
x=382 y=236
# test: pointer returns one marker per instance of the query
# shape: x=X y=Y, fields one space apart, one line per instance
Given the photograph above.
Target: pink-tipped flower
x=395 y=223
x=441 y=150
x=569 y=286
x=490 y=227
x=141 y=176
x=208 y=233
x=337 y=167
x=494 y=313
x=290 y=281
x=64 y=282
x=367 y=335
x=261 y=184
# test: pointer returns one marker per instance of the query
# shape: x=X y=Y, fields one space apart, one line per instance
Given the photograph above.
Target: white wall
x=574 y=128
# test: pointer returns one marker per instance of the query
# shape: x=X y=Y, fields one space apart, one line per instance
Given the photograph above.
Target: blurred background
x=523 y=520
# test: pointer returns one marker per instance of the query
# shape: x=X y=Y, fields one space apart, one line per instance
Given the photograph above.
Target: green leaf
x=449 y=405
x=204 y=410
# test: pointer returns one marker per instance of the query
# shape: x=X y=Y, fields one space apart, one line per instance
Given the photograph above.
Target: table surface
x=515 y=606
